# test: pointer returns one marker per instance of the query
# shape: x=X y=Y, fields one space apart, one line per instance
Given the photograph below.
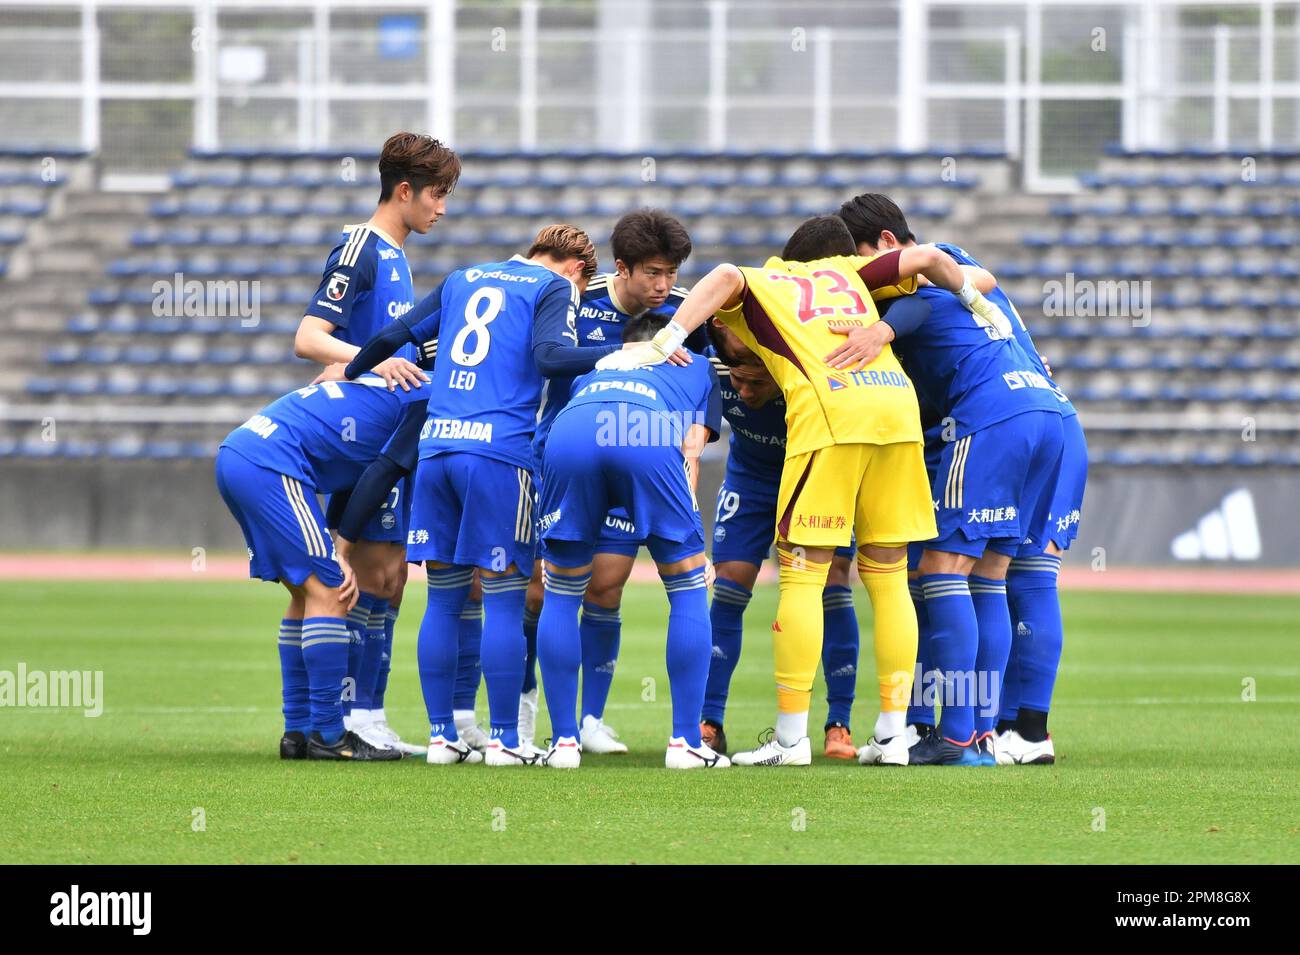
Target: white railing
x=622 y=74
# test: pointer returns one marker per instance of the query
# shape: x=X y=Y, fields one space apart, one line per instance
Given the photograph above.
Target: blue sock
x=921 y=710
x=1036 y=606
x=599 y=630
x=725 y=617
x=954 y=644
x=504 y=652
x=385 y=660
x=1010 y=705
x=690 y=644
x=469 y=668
x=990 y=599
x=530 y=641
x=357 y=620
x=559 y=649
x=839 y=653
x=325 y=643
x=371 y=653
x=437 y=648
x=293 y=678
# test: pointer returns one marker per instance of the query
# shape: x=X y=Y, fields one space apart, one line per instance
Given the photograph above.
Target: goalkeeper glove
x=654 y=352
x=986 y=313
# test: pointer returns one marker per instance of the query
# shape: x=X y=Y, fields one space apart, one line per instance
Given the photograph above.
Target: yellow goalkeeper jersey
x=786 y=317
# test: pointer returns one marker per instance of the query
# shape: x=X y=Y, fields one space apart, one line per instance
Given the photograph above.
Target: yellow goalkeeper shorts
x=880 y=492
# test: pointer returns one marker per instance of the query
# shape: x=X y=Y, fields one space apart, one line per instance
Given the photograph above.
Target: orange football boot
x=839 y=745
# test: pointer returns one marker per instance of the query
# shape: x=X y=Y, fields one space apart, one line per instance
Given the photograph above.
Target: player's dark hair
x=562 y=242
x=420 y=160
x=818 y=238
x=645 y=234
x=722 y=345
x=870 y=214
x=644 y=327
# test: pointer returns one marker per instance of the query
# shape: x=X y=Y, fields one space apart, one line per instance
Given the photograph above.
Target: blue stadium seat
x=63 y=354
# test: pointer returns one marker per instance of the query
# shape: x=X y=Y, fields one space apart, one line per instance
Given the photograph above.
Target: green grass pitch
x=1160 y=758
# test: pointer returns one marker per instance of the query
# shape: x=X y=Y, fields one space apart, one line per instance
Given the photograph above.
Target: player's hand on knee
x=710 y=574
x=348 y=590
x=400 y=372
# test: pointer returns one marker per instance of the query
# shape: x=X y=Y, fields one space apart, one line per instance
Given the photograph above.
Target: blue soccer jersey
x=757 y=443
x=325 y=435
x=487 y=385
x=366 y=284
x=1018 y=327
x=679 y=396
x=599 y=321
x=962 y=369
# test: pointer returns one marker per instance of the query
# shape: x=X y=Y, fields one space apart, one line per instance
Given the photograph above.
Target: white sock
x=347 y=722
x=791 y=727
x=377 y=716
x=890 y=724
x=463 y=718
x=360 y=717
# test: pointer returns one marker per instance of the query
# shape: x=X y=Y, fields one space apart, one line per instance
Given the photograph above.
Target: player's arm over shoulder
x=894 y=273
x=982 y=278
x=721 y=290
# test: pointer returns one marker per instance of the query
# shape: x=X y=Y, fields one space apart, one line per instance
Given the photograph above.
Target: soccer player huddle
x=887 y=410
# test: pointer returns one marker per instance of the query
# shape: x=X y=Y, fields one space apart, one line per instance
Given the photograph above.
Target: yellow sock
x=797 y=631
x=895 y=617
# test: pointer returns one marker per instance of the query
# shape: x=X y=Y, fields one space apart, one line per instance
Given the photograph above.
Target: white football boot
x=681 y=755
x=498 y=754
x=891 y=753
x=382 y=730
x=528 y=716
x=598 y=738
x=445 y=752
x=472 y=734
x=372 y=735
x=772 y=753
x=565 y=753
x=1013 y=749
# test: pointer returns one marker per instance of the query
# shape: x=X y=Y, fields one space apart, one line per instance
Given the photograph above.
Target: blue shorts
x=744 y=526
x=473 y=511
x=582 y=480
x=994 y=487
x=618 y=535
x=1067 y=502
x=282 y=522
x=387 y=525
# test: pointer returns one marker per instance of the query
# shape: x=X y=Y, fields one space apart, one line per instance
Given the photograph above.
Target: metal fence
x=1048 y=81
